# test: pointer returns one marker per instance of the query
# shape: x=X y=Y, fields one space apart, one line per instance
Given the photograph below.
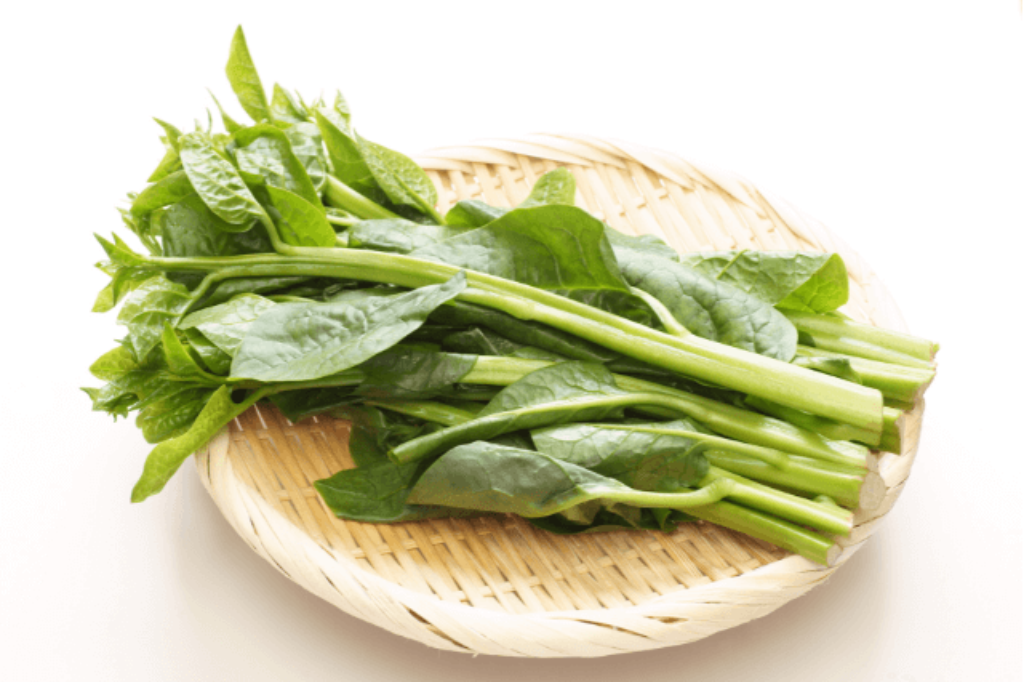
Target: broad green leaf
x=168 y=456
x=809 y=282
x=244 y=79
x=562 y=249
x=190 y=229
x=408 y=372
x=154 y=303
x=302 y=341
x=299 y=222
x=494 y=478
x=710 y=308
x=307 y=145
x=397 y=235
x=219 y=184
x=113 y=364
x=169 y=410
x=401 y=179
x=375 y=431
x=166 y=191
x=641 y=460
x=226 y=325
x=555 y=187
x=377 y=494
x=473 y=213
x=633 y=246
x=266 y=151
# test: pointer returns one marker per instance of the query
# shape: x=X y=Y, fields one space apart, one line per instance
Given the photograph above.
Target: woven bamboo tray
x=498 y=585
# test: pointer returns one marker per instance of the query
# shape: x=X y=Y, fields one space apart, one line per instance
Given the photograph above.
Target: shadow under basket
x=497 y=585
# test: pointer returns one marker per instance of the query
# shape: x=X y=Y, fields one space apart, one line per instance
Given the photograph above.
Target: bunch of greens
x=525 y=360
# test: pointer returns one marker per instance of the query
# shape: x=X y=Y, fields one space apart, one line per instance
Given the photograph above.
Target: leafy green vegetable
x=219 y=184
x=302 y=341
x=561 y=249
x=709 y=308
x=245 y=81
x=168 y=190
x=811 y=282
x=397 y=235
x=299 y=222
x=225 y=325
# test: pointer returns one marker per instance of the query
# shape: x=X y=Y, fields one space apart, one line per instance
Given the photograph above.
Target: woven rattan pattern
x=497 y=585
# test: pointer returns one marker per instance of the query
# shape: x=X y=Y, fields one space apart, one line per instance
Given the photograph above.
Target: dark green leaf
x=302 y=341
x=711 y=309
x=216 y=360
x=557 y=248
x=472 y=213
x=245 y=81
x=305 y=403
x=346 y=155
x=409 y=372
x=180 y=362
x=190 y=229
x=398 y=176
x=495 y=478
x=228 y=289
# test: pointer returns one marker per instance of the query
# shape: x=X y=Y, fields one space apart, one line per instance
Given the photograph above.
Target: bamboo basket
x=497 y=585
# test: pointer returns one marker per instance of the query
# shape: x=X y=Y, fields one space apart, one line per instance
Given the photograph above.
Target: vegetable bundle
x=526 y=360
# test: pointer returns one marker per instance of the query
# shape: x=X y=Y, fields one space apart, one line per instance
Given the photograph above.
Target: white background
x=897 y=124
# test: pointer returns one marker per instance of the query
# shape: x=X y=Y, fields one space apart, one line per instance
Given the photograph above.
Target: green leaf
x=494 y=478
x=226 y=325
x=473 y=213
x=377 y=494
x=230 y=124
x=166 y=191
x=171 y=132
x=266 y=151
x=399 y=177
x=562 y=249
x=169 y=411
x=555 y=187
x=286 y=107
x=170 y=163
x=307 y=145
x=557 y=394
x=809 y=282
x=113 y=363
x=346 y=156
x=190 y=229
x=180 y=362
x=710 y=308
x=244 y=79
x=397 y=235
x=479 y=341
x=639 y=246
x=216 y=360
x=168 y=456
x=645 y=461
x=219 y=184
x=305 y=403
x=228 y=289
x=155 y=302
x=302 y=341
x=299 y=222
x=409 y=372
